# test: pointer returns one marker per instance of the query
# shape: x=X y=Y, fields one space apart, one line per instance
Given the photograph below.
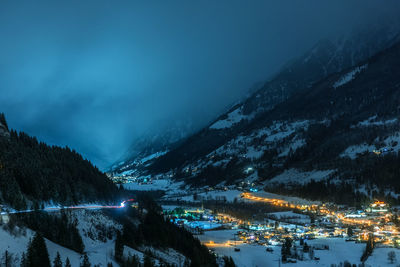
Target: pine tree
x=349 y=231
x=119 y=247
x=76 y=239
x=286 y=247
x=37 y=252
x=85 y=262
x=147 y=262
x=67 y=263
x=24 y=260
x=57 y=261
x=133 y=261
x=311 y=253
x=369 y=248
x=3 y=120
x=7 y=259
x=228 y=262
x=306 y=247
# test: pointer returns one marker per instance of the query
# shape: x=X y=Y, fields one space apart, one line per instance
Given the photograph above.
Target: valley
x=200 y=134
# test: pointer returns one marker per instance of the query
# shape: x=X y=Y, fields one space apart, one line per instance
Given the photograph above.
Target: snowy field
x=379 y=257
x=100 y=253
x=17 y=244
x=255 y=255
x=232 y=118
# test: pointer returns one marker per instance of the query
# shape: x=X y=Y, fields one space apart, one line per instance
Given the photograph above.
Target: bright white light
x=123 y=204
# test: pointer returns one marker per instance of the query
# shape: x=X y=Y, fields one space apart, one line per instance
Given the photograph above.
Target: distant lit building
x=378 y=206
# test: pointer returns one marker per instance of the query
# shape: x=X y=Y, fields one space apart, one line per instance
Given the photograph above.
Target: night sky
x=95 y=75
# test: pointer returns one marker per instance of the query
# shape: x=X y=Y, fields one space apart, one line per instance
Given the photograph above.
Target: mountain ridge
x=323 y=58
x=342 y=125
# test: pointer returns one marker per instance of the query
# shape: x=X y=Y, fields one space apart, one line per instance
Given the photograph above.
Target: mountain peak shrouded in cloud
x=95 y=75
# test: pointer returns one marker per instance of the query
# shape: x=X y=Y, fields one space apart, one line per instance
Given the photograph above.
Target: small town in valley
x=311 y=228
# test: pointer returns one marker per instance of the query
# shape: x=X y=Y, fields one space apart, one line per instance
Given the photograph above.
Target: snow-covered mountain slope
x=325 y=58
x=299 y=75
x=343 y=128
x=152 y=144
x=16 y=240
x=98 y=232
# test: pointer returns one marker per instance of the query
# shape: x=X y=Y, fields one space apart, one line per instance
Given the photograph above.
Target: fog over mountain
x=96 y=75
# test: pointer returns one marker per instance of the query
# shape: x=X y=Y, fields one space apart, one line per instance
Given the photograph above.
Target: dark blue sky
x=94 y=75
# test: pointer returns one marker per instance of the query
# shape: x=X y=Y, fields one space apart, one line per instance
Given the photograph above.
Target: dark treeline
x=33 y=171
x=239 y=209
x=59 y=228
x=244 y=210
x=153 y=230
x=342 y=193
x=37 y=255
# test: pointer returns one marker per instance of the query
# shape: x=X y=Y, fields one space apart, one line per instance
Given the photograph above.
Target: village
x=309 y=228
x=314 y=229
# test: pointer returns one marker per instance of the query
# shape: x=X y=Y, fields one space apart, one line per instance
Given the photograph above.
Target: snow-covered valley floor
x=252 y=255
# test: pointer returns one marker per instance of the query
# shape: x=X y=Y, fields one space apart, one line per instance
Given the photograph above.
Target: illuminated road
x=276 y=202
x=49 y=209
x=229 y=243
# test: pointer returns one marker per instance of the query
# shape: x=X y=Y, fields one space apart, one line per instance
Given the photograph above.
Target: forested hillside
x=32 y=172
x=342 y=132
x=296 y=77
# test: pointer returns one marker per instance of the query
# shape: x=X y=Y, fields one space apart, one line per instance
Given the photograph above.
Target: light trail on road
x=88 y=207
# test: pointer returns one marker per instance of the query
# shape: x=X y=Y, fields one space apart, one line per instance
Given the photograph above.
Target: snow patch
x=349 y=76
x=294 y=145
x=353 y=151
x=254 y=153
x=153 y=156
x=233 y=118
x=372 y=121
